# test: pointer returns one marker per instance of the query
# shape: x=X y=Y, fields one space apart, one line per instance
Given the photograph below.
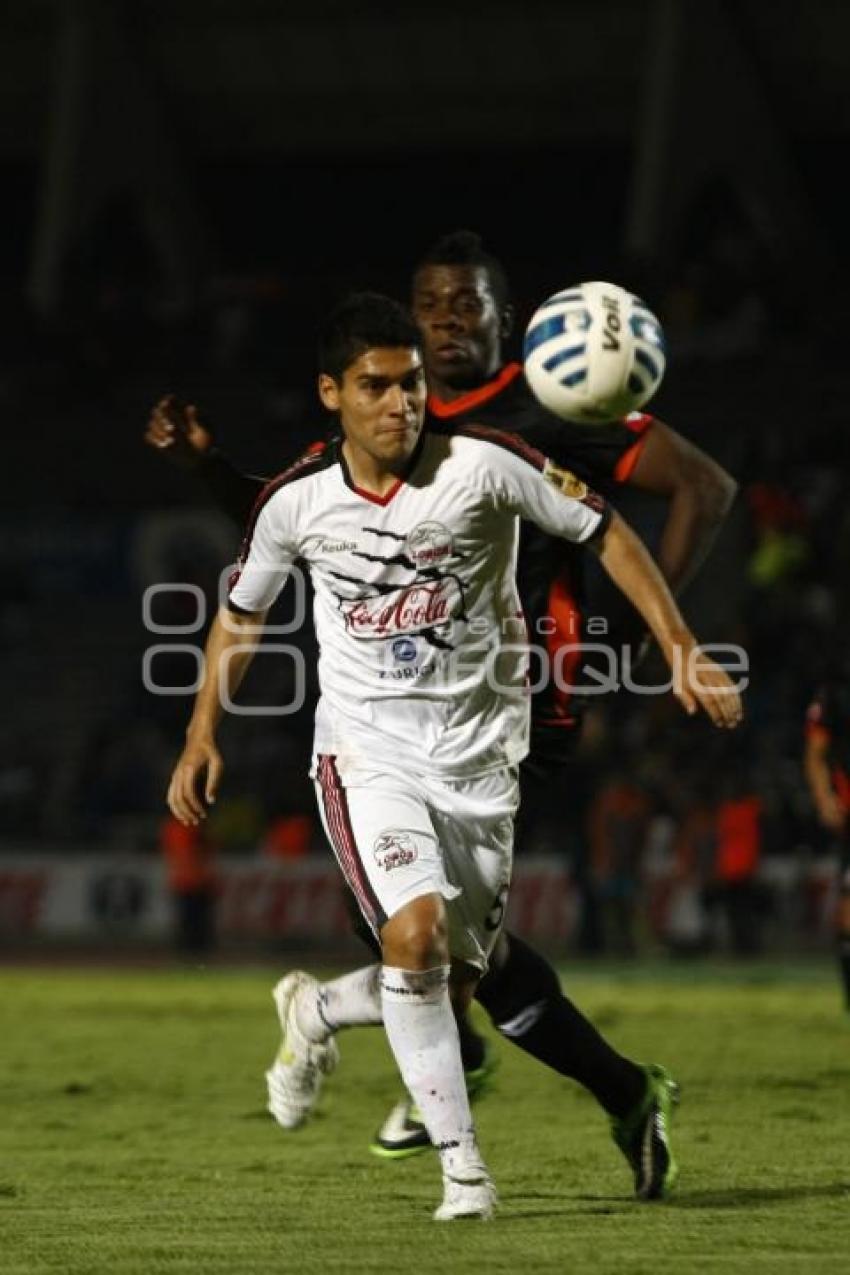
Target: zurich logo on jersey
x=404 y=650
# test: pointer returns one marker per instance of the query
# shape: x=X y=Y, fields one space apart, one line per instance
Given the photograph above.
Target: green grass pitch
x=133 y=1135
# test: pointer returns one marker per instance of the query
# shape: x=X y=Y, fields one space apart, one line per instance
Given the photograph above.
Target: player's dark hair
x=363 y=321
x=465 y=248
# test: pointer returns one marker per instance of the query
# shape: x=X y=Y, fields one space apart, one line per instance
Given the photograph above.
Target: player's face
x=381 y=404
x=461 y=324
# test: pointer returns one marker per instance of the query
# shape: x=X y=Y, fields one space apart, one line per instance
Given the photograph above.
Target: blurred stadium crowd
x=85 y=750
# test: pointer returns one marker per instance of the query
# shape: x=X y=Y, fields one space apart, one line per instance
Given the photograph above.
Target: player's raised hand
x=200 y=760
x=174 y=428
x=701 y=683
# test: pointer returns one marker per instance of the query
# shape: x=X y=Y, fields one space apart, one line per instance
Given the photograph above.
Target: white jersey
x=423 y=660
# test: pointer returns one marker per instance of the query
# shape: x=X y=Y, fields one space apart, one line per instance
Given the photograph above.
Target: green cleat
x=643 y=1136
x=403 y=1134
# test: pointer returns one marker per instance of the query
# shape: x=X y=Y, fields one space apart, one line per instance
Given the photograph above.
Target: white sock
x=354 y=1000
x=422 y=1032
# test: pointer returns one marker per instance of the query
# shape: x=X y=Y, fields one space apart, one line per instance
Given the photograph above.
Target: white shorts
x=399 y=836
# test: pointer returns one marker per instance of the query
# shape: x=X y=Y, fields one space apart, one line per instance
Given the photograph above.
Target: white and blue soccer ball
x=594 y=353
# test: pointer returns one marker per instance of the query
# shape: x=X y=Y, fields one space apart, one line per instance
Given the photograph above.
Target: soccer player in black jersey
x=461 y=302
x=827 y=767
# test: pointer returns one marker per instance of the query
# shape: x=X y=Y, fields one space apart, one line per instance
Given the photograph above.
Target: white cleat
x=295 y=1077
x=467 y=1196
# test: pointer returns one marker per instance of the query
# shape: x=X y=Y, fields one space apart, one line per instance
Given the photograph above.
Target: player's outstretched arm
x=698 y=682
x=175 y=430
x=229 y=650
x=700 y=494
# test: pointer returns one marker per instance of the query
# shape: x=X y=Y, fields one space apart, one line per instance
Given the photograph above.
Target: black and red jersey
x=549 y=571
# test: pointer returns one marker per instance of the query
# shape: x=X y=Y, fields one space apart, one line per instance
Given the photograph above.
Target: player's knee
x=416 y=937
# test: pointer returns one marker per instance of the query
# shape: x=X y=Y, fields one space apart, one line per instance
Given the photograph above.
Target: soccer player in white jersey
x=410 y=539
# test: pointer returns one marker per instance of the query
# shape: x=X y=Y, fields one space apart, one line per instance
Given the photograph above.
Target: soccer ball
x=594 y=353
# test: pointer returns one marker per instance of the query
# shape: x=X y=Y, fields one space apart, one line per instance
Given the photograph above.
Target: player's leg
x=304 y=1057
x=522 y=994
x=311 y=1013
x=521 y=991
x=402 y=1132
x=382 y=834
x=477 y=1059
x=473 y=820
x=422 y=1032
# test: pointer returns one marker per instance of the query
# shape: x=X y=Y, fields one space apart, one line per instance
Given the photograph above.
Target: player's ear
x=328 y=392
x=506 y=321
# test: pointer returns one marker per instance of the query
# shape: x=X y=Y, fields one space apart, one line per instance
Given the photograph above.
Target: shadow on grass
x=746 y=1197
x=733 y=1198
x=560 y=1202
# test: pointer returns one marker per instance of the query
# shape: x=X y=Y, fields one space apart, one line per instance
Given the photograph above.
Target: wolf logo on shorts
x=394 y=849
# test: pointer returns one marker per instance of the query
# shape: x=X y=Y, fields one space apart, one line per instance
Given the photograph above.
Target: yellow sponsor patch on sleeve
x=565 y=481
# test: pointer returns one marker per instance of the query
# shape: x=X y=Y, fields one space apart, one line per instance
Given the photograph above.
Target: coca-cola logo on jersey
x=409 y=609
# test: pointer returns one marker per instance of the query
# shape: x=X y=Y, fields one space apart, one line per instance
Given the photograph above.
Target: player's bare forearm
x=229 y=650
x=700 y=494
x=697 y=681
x=176 y=431
x=630 y=566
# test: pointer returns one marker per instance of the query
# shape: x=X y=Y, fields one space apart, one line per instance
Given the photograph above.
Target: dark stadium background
x=185 y=188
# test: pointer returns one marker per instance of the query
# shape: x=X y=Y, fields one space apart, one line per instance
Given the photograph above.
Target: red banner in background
x=125 y=898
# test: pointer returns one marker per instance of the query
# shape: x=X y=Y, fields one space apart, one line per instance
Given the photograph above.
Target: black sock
x=844 y=965
x=525 y=1001
x=471 y=1044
